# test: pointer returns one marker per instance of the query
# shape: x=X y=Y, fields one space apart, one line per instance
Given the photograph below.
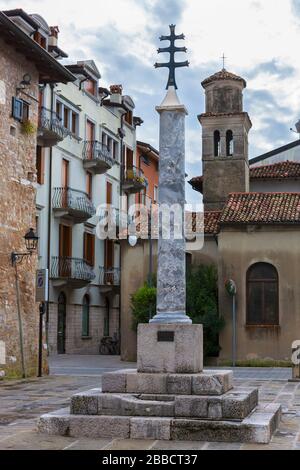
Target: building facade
x=20 y=81
x=252 y=224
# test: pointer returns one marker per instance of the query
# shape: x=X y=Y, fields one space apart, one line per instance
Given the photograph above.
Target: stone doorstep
x=208 y=382
x=257 y=428
x=234 y=405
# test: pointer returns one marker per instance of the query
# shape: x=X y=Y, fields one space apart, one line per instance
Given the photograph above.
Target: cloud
x=259 y=37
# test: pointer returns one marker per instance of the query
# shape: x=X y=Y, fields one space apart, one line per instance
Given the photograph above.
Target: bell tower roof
x=223 y=75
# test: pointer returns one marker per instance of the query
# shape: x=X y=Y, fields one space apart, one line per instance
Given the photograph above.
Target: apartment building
x=24 y=68
x=86 y=158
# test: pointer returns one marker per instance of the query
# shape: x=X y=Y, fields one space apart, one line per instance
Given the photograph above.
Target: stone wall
x=17 y=213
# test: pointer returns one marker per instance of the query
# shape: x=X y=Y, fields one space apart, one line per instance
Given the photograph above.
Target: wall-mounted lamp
x=31 y=241
x=297 y=126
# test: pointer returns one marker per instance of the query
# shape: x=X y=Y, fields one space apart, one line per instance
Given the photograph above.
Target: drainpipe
x=49 y=220
x=121 y=193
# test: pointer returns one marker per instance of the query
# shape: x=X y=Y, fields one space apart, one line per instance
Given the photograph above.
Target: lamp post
x=31 y=241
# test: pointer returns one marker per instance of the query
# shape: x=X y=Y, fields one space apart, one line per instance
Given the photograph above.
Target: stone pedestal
x=163 y=348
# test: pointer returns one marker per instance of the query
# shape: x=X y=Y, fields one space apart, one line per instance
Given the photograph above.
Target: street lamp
x=31 y=241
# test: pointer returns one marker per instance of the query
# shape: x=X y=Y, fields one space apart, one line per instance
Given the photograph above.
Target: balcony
x=109 y=279
x=73 y=204
x=50 y=129
x=75 y=272
x=134 y=180
x=96 y=157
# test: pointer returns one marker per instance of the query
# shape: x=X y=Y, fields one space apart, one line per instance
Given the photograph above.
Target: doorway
x=61 y=323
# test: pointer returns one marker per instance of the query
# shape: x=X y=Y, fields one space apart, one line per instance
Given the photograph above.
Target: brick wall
x=17 y=213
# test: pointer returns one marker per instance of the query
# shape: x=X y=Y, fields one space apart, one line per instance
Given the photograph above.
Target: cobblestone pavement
x=22 y=402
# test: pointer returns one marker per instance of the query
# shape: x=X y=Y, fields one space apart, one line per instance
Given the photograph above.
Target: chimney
x=53 y=38
x=116 y=93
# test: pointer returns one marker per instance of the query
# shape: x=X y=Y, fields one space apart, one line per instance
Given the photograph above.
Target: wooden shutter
x=109 y=254
x=89 y=184
x=40 y=165
x=108 y=192
x=89 y=248
x=65 y=241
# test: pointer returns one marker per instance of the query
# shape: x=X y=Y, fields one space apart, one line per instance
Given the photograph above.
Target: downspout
x=121 y=193
x=49 y=220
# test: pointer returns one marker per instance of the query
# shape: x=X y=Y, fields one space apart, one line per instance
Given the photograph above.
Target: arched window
x=229 y=143
x=86 y=316
x=217 y=143
x=262 y=295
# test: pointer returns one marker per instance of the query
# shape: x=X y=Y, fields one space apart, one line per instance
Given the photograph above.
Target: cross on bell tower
x=172 y=49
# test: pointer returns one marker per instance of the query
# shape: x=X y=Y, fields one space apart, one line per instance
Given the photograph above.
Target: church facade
x=252 y=226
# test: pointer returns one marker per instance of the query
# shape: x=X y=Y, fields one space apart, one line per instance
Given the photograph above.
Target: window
x=217 y=144
x=59 y=110
x=155 y=193
x=89 y=184
x=90 y=87
x=229 y=143
x=262 y=295
x=89 y=248
x=41 y=40
x=40 y=165
x=20 y=109
x=74 y=123
x=86 y=316
x=115 y=150
x=66 y=117
x=128 y=117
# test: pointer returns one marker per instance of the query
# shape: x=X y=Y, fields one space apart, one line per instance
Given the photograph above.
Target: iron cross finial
x=223 y=59
x=172 y=49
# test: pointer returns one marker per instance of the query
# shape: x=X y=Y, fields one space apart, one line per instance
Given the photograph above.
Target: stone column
x=171 y=284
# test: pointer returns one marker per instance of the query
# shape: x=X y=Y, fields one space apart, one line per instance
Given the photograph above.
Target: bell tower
x=225 y=128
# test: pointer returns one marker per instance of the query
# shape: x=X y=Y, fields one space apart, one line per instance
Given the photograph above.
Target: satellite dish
x=297 y=125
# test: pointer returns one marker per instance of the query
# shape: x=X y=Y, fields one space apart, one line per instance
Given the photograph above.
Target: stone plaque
x=165 y=336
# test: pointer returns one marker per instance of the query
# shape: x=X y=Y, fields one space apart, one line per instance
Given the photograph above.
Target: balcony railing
x=109 y=276
x=75 y=271
x=96 y=157
x=134 y=179
x=73 y=203
x=50 y=129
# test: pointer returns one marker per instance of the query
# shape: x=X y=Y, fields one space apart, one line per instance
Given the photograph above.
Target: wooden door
x=108 y=192
x=64 y=182
x=90 y=137
x=65 y=251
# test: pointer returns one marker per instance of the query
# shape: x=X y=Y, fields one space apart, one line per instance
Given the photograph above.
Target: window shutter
x=17 y=109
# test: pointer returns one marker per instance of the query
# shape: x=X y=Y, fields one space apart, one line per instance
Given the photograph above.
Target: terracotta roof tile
x=262 y=208
x=279 y=170
x=223 y=75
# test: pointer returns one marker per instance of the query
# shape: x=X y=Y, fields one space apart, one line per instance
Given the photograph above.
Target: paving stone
x=130 y=444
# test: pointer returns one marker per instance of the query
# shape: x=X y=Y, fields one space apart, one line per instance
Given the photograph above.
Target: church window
x=217 y=144
x=229 y=143
x=262 y=295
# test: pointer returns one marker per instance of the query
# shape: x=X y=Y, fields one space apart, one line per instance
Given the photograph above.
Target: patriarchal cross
x=172 y=65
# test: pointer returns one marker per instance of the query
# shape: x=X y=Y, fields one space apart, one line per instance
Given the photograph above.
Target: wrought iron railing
x=109 y=276
x=94 y=150
x=134 y=175
x=72 y=199
x=50 y=121
x=71 y=268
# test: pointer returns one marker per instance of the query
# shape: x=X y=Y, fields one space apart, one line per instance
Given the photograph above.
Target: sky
x=260 y=39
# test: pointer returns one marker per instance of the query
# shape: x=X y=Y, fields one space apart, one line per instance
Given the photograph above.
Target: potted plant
x=28 y=128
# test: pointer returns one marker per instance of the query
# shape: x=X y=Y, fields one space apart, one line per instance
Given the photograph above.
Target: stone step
x=234 y=405
x=257 y=428
x=208 y=382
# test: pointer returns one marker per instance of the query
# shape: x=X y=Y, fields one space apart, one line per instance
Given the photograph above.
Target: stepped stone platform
x=168 y=397
x=201 y=406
